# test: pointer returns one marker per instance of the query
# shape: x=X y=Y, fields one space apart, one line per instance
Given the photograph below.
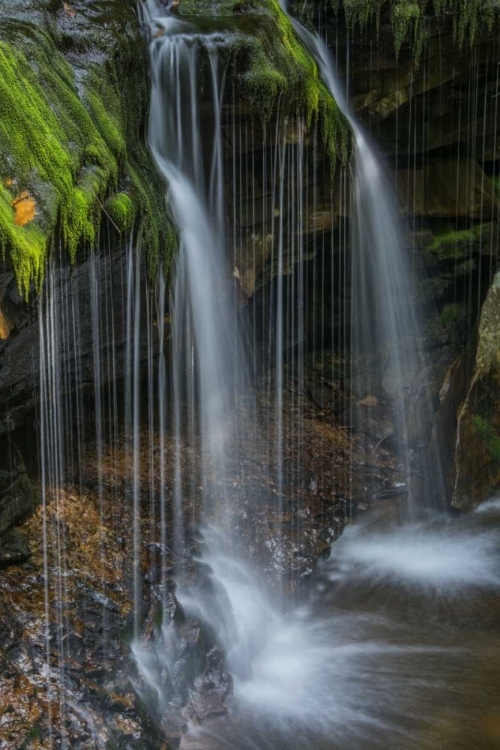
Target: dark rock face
x=18 y=499
x=14 y=548
x=474 y=387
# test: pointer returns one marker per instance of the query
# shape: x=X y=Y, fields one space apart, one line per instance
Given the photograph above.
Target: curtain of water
x=222 y=424
x=78 y=365
x=386 y=333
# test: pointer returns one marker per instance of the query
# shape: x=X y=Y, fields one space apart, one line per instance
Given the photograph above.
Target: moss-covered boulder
x=273 y=71
x=73 y=94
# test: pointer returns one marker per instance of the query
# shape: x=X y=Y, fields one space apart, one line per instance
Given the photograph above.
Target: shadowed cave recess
x=250 y=374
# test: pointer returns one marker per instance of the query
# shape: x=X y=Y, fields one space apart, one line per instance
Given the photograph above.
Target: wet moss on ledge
x=276 y=72
x=70 y=137
x=409 y=18
x=120 y=209
x=456 y=244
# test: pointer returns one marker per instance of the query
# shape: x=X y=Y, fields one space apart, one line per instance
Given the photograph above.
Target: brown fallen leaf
x=25 y=209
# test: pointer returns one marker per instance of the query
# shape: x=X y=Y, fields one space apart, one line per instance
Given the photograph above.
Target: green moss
x=121 y=211
x=68 y=137
x=451 y=244
x=486 y=431
x=158 y=236
x=405 y=17
x=275 y=70
x=27 y=246
x=408 y=17
x=218 y=8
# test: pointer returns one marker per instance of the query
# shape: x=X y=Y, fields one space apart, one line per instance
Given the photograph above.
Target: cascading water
x=386 y=332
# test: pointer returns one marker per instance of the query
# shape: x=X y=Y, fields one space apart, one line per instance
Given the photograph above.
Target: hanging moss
x=158 y=236
x=67 y=138
x=409 y=18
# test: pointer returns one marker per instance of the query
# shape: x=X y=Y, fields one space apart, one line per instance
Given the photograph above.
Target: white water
x=386 y=335
x=385 y=637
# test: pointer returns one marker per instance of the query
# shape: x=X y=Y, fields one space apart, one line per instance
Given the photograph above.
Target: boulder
x=476 y=471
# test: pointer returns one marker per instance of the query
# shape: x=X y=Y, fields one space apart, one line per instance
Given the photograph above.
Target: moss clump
x=456 y=244
x=486 y=431
x=406 y=17
x=452 y=244
x=121 y=211
x=158 y=236
x=48 y=130
x=27 y=246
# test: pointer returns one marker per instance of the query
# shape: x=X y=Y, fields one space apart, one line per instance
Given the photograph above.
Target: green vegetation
x=409 y=17
x=68 y=139
x=275 y=70
x=120 y=209
x=452 y=244
x=486 y=431
x=455 y=244
x=451 y=314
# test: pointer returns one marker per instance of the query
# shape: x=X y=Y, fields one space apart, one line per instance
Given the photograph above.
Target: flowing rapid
x=363 y=661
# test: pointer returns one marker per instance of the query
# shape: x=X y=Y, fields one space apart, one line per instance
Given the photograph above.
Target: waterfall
x=386 y=333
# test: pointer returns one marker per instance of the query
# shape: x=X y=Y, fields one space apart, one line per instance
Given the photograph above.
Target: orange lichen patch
x=8 y=182
x=5 y=327
x=24 y=209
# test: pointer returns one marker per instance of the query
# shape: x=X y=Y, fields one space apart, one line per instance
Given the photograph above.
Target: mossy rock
x=458 y=244
x=70 y=132
x=273 y=69
x=477 y=462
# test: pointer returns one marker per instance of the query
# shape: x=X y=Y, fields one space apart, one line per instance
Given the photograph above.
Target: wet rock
x=211 y=688
x=448 y=187
x=16 y=502
x=476 y=473
x=14 y=548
